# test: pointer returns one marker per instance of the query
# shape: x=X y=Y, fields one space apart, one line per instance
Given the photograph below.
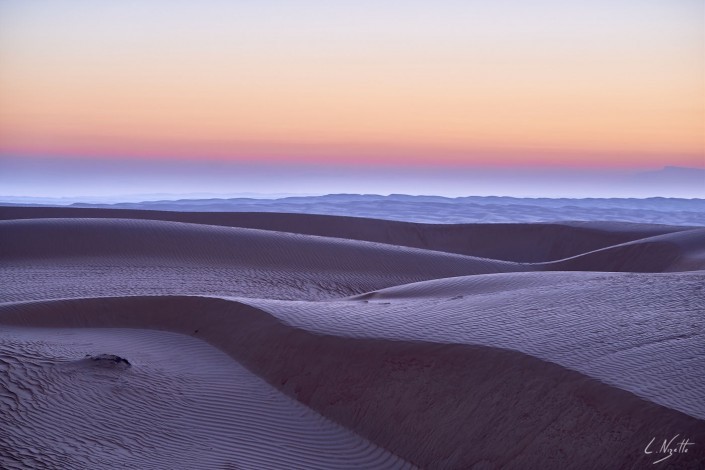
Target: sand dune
x=108 y=257
x=448 y=288
x=174 y=242
x=634 y=331
x=511 y=242
x=90 y=257
x=452 y=401
x=194 y=409
x=680 y=251
x=323 y=342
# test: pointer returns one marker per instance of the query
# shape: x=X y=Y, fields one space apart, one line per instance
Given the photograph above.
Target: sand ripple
x=181 y=404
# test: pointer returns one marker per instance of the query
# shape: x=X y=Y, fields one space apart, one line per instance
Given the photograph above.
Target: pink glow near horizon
x=607 y=85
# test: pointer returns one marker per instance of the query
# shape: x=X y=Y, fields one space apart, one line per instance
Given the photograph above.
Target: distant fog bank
x=438 y=209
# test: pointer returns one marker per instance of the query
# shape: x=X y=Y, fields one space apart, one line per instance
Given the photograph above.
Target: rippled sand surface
x=294 y=341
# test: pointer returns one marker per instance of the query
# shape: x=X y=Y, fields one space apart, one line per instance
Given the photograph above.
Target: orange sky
x=456 y=84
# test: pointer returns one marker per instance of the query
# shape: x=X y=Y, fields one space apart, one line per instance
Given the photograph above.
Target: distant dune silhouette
x=436 y=209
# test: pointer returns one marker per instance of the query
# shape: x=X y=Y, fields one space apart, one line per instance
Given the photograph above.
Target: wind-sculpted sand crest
x=211 y=343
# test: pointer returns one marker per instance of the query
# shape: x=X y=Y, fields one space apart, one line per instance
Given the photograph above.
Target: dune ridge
x=387 y=344
x=638 y=332
x=202 y=244
x=387 y=386
x=92 y=256
x=679 y=251
x=537 y=242
x=107 y=257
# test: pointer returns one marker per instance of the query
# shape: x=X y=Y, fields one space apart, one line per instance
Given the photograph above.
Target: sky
x=373 y=89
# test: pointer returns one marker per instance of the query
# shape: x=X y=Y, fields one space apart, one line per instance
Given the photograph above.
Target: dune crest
x=525 y=243
x=291 y=344
x=386 y=386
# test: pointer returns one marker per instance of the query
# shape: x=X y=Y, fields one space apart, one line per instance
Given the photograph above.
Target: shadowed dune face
x=458 y=405
x=680 y=251
x=524 y=243
x=107 y=257
x=91 y=256
x=177 y=243
x=347 y=343
x=636 y=332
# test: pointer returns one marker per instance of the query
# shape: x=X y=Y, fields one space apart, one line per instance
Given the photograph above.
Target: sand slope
x=173 y=258
x=194 y=409
x=511 y=242
x=680 y=251
x=637 y=332
x=439 y=406
x=292 y=345
x=107 y=257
